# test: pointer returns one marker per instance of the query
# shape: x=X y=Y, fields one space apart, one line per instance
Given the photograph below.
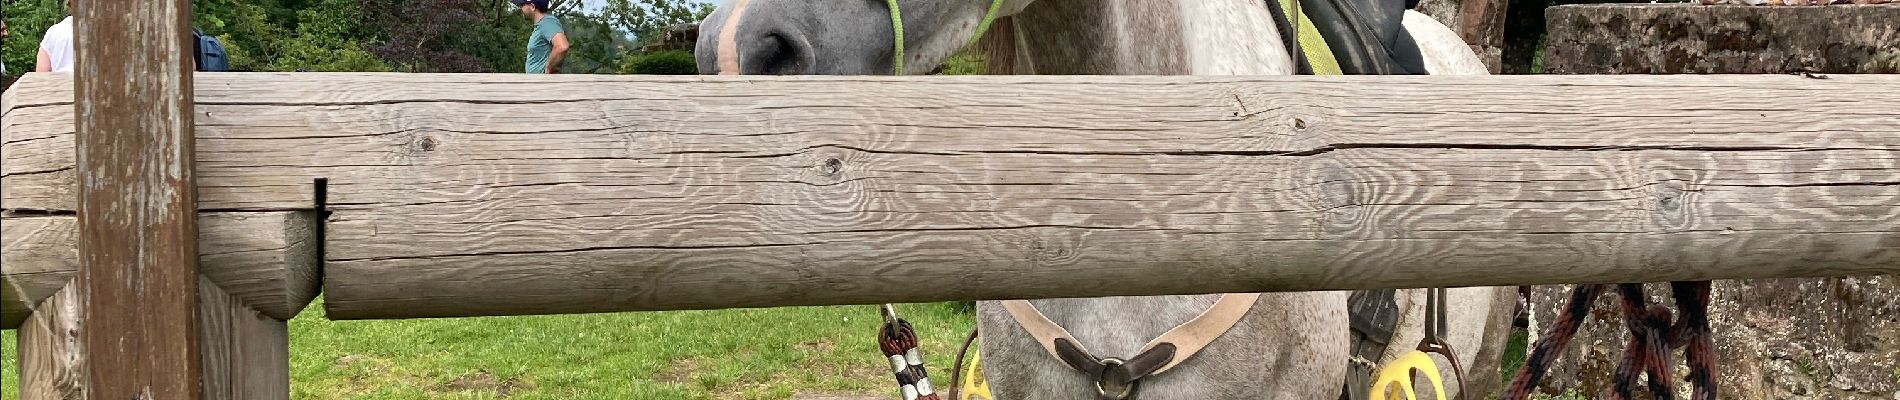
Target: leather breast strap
x=1115 y=377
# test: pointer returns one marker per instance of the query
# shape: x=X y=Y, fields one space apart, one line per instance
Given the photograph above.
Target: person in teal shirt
x=548 y=44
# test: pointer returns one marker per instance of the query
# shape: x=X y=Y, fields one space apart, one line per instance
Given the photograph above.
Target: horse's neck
x=1148 y=37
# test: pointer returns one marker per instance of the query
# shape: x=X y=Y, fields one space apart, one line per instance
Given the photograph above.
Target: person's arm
x=43 y=63
x=558 y=52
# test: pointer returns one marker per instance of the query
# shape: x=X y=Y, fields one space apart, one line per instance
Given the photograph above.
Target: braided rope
x=898 y=341
x=897 y=32
x=1654 y=333
x=1554 y=341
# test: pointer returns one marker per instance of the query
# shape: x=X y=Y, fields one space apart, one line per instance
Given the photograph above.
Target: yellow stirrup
x=1400 y=372
x=974 y=387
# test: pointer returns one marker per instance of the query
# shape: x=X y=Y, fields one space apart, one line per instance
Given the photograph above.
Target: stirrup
x=1401 y=371
x=973 y=386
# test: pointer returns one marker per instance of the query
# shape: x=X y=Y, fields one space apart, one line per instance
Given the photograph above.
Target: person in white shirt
x=56 y=49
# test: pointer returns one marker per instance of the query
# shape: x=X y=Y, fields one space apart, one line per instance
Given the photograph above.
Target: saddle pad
x=1360 y=37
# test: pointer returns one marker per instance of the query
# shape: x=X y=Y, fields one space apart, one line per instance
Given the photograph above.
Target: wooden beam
x=246 y=354
x=267 y=259
x=138 y=271
x=459 y=195
x=1697 y=39
x=52 y=357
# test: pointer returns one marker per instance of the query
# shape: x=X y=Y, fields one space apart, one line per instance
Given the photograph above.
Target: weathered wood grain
x=267 y=259
x=50 y=350
x=468 y=195
x=246 y=353
x=137 y=204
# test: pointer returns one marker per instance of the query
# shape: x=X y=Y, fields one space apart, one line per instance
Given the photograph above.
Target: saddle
x=1374 y=318
x=1351 y=37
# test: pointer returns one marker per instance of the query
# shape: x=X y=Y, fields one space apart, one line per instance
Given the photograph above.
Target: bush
x=669 y=62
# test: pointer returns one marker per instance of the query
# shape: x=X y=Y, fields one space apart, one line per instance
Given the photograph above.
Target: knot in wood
x=417 y=144
x=831 y=167
x=1299 y=124
x=1668 y=197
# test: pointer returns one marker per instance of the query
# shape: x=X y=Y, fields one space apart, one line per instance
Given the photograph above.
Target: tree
x=440 y=36
x=595 y=47
x=645 y=19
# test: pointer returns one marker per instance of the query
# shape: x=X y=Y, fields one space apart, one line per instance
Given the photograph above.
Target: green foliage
x=646 y=19
x=594 y=46
x=324 y=41
x=249 y=35
x=963 y=307
x=669 y=62
x=27 y=21
x=410 y=36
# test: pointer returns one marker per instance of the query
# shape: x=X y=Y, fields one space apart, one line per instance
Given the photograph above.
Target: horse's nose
x=776 y=53
x=751 y=41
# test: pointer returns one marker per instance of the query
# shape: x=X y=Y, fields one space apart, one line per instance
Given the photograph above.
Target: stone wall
x=1833 y=338
x=1728 y=39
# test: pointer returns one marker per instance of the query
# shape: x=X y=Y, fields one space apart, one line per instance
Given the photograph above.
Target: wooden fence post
x=139 y=321
x=138 y=231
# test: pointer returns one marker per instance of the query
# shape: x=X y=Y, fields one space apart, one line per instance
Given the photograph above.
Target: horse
x=1294 y=345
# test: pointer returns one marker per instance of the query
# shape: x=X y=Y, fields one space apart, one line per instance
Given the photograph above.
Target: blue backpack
x=210 y=52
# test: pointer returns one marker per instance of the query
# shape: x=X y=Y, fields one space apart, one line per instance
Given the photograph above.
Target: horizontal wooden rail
x=461 y=195
x=267 y=260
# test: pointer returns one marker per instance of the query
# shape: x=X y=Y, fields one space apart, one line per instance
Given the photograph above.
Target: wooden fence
x=464 y=195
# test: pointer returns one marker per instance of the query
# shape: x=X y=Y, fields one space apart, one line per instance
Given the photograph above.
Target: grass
x=723 y=354
x=9 y=366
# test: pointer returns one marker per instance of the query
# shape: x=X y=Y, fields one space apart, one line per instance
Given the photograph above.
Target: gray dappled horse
x=1287 y=346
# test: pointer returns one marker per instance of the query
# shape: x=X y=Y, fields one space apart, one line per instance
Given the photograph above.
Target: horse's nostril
x=779 y=56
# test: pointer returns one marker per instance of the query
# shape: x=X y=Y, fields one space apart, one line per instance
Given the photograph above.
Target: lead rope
x=1652 y=337
x=898 y=340
x=897 y=31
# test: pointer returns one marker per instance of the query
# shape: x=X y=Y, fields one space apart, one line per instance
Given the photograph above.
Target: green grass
x=9 y=366
x=723 y=354
x=1515 y=351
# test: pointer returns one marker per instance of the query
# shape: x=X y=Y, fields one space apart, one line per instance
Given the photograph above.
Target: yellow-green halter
x=897 y=29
